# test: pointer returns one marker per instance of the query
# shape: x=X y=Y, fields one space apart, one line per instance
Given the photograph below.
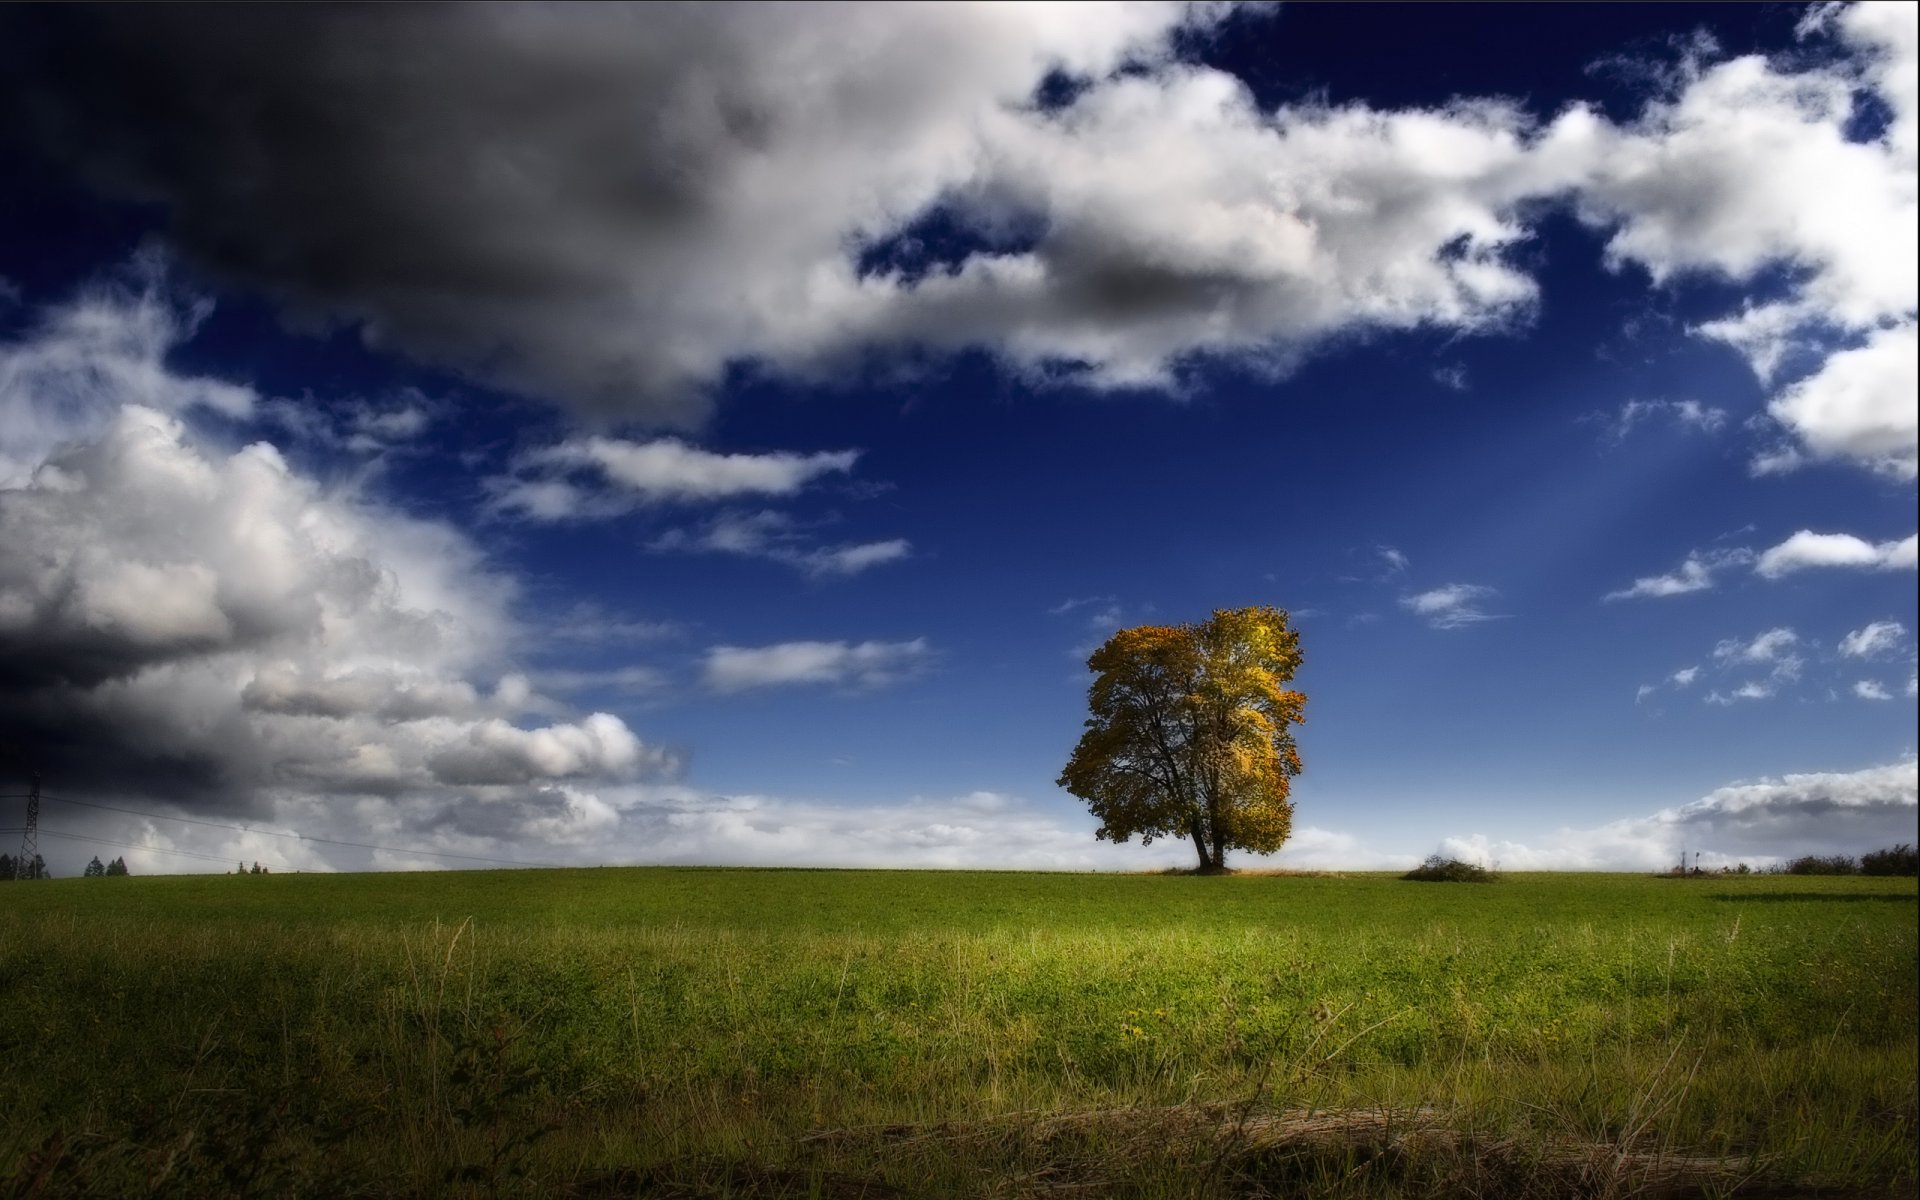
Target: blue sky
x=720 y=434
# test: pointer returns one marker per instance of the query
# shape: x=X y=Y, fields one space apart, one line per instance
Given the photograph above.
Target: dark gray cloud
x=610 y=206
x=603 y=202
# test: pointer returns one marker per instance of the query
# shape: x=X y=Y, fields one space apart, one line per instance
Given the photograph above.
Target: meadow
x=669 y=1032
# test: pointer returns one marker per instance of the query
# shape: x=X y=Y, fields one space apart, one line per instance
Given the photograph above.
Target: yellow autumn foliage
x=1190 y=733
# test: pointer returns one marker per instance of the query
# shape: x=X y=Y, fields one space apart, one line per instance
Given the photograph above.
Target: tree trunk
x=1200 y=844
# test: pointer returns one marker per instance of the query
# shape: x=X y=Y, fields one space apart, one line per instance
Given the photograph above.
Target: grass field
x=806 y=1033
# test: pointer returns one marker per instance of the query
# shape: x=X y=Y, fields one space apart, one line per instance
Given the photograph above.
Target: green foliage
x=1437 y=869
x=713 y=1033
x=1894 y=860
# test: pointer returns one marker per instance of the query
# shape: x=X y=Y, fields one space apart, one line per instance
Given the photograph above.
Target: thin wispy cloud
x=1877 y=639
x=779 y=538
x=1697 y=573
x=869 y=664
x=1685 y=415
x=1452 y=606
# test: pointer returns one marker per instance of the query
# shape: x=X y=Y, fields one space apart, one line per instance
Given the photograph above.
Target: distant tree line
x=1894 y=860
x=12 y=868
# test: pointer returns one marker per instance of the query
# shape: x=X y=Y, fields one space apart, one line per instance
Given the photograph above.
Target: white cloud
x=1807 y=549
x=494 y=752
x=1751 y=690
x=1695 y=574
x=1451 y=606
x=1685 y=676
x=851 y=560
x=662 y=471
x=1858 y=407
x=1749 y=167
x=1773 y=649
x=779 y=538
x=846 y=664
x=73 y=369
x=1874 y=640
x=1768 y=647
x=1868 y=689
x=1759 y=823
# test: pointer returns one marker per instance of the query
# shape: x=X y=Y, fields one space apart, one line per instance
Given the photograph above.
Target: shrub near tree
x=1830 y=864
x=1449 y=870
x=1190 y=734
x=1894 y=860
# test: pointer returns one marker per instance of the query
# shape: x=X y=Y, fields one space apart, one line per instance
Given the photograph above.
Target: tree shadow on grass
x=1815 y=898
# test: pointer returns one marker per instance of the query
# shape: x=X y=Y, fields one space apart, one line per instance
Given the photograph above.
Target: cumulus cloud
x=1760 y=823
x=1876 y=639
x=612 y=206
x=204 y=629
x=1695 y=574
x=843 y=664
x=1869 y=689
x=80 y=361
x=1806 y=550
x=1752 y=166
x=1452 y=606
x=494 y=752
x=1858 y=407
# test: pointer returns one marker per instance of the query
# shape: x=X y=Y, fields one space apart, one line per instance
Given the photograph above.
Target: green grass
x=705 y=1032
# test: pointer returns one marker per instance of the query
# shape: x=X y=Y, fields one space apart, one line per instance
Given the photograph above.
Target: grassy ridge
x=730 y=1032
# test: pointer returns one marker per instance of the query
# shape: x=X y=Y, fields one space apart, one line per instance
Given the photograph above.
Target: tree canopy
x=1190 y=734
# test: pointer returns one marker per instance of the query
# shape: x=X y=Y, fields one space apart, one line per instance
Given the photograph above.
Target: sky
x=442 y=435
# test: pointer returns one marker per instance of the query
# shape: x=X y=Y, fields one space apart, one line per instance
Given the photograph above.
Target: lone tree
x=1190 y=734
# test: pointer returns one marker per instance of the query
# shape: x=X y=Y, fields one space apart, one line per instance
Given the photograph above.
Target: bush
x=1814 y=864
x=1894 y=860
x=1449 y=870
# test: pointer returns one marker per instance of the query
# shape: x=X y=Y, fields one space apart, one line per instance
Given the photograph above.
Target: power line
x=303 y=837
x=86 y=837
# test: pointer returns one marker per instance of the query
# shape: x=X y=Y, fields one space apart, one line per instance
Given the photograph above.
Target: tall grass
x=774 y=1033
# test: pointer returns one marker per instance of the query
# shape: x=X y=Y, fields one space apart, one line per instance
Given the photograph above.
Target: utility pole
x=30 y=836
